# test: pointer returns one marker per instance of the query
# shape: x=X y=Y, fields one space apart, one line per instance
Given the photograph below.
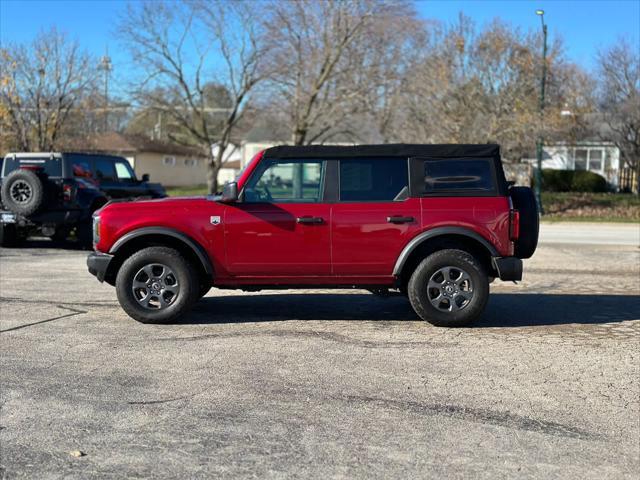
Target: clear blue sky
x=585 y=25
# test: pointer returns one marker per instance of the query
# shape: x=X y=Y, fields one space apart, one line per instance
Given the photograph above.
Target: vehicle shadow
x=39 y=243
x=503 y=310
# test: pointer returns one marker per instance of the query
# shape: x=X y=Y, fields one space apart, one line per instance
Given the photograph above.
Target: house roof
x=115 y=142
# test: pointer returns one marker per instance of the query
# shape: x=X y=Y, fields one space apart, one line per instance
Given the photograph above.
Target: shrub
x=572 y=181
x=588 y=182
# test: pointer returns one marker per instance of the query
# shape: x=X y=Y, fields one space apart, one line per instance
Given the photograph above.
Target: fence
x=628 y=180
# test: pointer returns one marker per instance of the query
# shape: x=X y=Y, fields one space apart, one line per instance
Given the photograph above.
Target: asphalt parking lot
x=324 y=384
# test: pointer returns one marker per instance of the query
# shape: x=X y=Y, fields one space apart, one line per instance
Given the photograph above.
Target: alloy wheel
x=450 y=289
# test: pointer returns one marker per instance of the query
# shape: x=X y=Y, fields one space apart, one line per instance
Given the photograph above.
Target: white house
x=602 y=158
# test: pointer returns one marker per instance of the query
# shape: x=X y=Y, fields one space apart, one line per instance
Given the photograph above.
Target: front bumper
x=98 y=263
x=508 y=268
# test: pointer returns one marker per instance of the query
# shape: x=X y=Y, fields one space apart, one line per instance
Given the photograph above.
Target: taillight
x=67 y=192
x=514 y=225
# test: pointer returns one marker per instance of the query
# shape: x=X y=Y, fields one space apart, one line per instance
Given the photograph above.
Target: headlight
x=96 y=229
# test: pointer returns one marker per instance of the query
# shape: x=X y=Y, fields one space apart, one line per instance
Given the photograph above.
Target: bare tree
x=315 y=45
x=619 y=91
x=180 y=84
x=479 y=86
x=40 y=85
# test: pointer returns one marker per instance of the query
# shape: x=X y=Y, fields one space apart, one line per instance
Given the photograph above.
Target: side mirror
x=145 y=177
x=230 y=192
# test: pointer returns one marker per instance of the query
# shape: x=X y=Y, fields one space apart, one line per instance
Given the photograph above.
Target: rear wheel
x=449 y=288
x=157 y=285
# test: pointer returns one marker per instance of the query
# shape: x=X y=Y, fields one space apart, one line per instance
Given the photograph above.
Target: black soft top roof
x=390 y=150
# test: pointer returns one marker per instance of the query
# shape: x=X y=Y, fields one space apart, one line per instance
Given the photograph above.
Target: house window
x=190 y=162
x=595 y=159
x=580 y=156
x=169 y=161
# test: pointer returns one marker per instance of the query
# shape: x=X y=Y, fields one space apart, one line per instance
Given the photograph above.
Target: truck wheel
x=8 y=235
x=449 y=288
x=524 y=201
x=156 y=285
x=22 y=192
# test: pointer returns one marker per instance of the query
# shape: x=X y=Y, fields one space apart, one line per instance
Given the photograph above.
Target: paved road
x=590 y=233
x=324 y=384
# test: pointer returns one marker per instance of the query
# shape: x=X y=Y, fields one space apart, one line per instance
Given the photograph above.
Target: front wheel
x=449 y=288
x=157 y=285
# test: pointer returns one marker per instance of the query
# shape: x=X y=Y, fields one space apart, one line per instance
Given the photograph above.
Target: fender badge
x=215 y=220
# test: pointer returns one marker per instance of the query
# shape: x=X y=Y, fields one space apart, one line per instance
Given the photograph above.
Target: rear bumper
x=97 y=263
x=508 y=268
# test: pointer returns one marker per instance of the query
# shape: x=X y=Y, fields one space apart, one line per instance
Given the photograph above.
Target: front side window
x=371 y=180
x=124 y=171
x=458 y=175
x=286 y=181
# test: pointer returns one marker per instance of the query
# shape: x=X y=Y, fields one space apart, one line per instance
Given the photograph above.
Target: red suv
x=436 y=222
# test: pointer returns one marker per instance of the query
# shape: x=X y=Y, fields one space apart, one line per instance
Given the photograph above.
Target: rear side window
x=371 y=180
x=462 y=176
x=104 y=169
x=48 y=166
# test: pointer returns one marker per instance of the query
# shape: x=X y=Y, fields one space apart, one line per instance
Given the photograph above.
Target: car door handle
x=310 y=220
x=396 y=219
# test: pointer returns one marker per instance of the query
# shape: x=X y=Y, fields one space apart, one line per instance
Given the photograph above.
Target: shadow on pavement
x=504 y=309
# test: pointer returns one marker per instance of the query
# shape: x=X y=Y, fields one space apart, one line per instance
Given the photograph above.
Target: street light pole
x=106 y=66
x=540 y=142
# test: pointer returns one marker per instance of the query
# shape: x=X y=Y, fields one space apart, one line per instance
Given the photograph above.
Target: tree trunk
x=212 y=176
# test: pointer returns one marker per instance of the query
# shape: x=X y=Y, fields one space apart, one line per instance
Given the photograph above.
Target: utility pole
x=106 y=66
x=540 y=142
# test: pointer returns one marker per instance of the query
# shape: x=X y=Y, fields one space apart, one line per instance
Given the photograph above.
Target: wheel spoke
x=463 y=277
x=137 y=284
x=148 y=269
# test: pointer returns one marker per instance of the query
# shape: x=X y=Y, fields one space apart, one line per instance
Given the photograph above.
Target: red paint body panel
x=265 y=239
x=487 y=216
x=364 y=242
x=263 y=244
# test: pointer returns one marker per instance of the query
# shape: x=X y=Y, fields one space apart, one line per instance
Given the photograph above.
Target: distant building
x=599 y=157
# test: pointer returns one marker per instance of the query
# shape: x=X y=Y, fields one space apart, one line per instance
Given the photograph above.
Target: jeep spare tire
x=22 y=192
x=525 y=202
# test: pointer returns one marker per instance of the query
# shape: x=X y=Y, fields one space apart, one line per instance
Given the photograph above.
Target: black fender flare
x=198 y=249
x=437 y=232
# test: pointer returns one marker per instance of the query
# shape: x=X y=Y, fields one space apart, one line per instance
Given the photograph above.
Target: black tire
x=469 y=309
x=8 y=235
x=22 y=192
x=524 y=201
x=185 y=277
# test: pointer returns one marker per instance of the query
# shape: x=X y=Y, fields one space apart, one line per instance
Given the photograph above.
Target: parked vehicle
x=436 y=222
x=53 y=193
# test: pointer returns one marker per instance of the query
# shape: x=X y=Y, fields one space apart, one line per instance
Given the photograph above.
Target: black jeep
x=52 y=194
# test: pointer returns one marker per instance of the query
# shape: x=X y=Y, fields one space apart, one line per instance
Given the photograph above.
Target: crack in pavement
x=49 y=302
x=483 y=416
x=73 y=310
x=335 y=337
